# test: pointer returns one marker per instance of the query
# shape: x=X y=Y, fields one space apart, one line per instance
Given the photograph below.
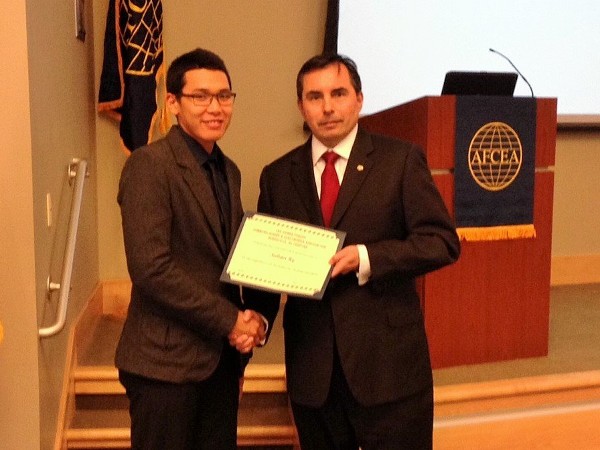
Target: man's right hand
x=248 y=331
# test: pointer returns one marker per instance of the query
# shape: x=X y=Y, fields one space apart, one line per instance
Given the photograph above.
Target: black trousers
x=343 y=424
x=188 y=416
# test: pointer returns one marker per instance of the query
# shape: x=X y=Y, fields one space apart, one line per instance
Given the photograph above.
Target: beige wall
x=264 y=42
x=47 y=119
x=63 y=127
x=19 y=414
x=576 y=201
x=576 y=216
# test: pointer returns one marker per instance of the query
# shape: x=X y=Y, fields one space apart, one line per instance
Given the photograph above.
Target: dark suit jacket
x=388 y=202
x=180 y=313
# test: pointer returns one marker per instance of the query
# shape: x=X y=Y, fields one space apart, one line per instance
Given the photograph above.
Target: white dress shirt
x=343 y=149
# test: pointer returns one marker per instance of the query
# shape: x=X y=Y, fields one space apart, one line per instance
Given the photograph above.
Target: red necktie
x=330 y=186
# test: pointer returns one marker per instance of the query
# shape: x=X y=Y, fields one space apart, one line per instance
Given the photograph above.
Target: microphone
x=514 y=67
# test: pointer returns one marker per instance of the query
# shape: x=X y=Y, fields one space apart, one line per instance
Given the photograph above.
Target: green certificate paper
x=282 y=256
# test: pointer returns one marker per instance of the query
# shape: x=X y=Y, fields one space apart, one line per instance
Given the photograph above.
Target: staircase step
x=101 y=418
x=110 y=428
x=97 y=380
x=501 y=396
x=105 y=379
x=120 y=438
x=100 y=345
x=105 y=329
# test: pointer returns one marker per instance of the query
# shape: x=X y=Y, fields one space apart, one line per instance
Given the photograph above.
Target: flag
x=133 y=74
x=330 y=43
x=494 y=169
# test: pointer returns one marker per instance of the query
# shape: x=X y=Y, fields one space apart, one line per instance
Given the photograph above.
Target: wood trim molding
x=575 y=269
x=115 y=297
x=76 y=338
x=510 y=394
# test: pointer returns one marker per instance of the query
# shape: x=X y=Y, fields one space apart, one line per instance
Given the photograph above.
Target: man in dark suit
x=180 y=206
x=357 y=362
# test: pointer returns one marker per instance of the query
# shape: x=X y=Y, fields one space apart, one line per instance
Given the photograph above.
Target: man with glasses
x=357 y=362
x=186 y=337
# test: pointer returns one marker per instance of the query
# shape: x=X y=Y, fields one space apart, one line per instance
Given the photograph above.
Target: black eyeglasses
x=225 y=98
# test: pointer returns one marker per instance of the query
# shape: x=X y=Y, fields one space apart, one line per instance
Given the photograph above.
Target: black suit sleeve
x=429 y=240
x=148 y=219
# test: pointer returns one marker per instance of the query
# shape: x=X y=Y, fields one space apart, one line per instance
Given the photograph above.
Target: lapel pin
x=360 y=167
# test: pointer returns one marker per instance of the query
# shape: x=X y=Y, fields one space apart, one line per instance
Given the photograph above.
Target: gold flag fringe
x=496 y=233
x=161 y=119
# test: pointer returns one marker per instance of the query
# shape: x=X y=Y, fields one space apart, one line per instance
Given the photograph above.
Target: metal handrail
x=78 y=170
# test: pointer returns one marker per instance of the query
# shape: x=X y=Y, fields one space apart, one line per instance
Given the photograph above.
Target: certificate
x=282 y=256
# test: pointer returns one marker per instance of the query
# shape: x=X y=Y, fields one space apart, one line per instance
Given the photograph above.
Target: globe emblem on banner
x=495 y=156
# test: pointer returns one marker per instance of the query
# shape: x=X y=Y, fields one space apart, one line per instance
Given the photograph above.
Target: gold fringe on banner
x=161 y=119
x=496 y=233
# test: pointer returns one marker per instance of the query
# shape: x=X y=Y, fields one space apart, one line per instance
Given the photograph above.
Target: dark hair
x=324 y=60
x=196 y=59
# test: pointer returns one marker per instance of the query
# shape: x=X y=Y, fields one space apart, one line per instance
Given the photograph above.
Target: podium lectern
x=493 y=303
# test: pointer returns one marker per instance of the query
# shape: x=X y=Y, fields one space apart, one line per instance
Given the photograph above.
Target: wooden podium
x=493 y=304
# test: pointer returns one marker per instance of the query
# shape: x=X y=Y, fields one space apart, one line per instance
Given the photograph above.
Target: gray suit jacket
x=180 y=313
x=388 y=202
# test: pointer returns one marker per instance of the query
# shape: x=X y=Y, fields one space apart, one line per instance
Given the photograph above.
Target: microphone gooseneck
x=514 y=67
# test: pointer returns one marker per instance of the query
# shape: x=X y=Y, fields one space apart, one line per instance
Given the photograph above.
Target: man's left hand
x=345 y=261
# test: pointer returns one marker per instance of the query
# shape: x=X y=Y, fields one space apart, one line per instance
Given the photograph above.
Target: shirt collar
x=199 y=152
x=343 y=148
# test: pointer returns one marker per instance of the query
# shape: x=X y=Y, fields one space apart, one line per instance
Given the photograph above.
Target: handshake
x=248 y=332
